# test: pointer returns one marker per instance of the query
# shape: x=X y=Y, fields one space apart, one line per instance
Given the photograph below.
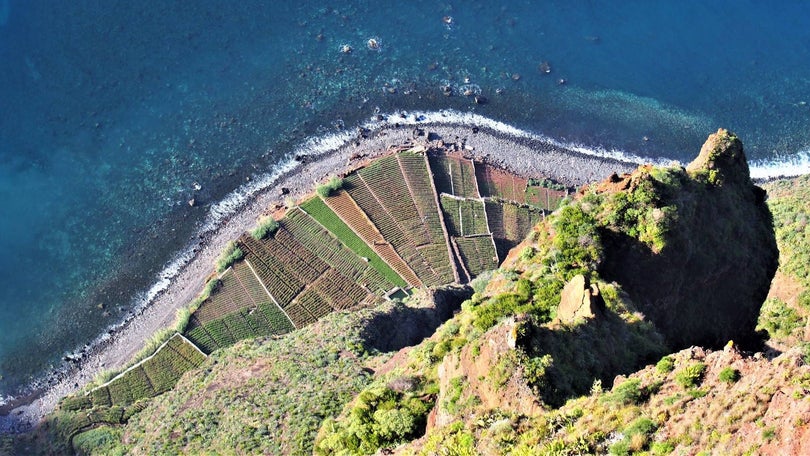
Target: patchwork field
x=408 y=219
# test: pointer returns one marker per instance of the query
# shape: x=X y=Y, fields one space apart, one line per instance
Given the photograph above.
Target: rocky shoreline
x=524 y=154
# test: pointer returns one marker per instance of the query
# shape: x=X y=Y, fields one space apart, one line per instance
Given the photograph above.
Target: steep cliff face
x=703 y=279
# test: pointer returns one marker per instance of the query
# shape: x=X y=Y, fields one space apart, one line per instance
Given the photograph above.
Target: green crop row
x=318 y=210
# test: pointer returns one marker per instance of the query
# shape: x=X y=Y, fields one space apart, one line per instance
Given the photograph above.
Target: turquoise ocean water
x=113 y=114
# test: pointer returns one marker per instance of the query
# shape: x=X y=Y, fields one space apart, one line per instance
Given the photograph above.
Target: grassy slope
x=786 y=313
x=260 y=396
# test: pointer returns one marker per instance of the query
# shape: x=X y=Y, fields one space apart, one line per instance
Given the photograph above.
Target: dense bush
x=230 y=255
x=665 y=365
x=729 y=375
x=334 y=183
x=691 y=375
x=778 y=319
x=628 y=392
x=266 y=226
x=636 y=437
x=379 y=418
x=577 y=247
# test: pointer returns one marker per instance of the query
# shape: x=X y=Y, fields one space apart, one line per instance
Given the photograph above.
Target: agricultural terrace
x=510 y=222
x=350 y=213
x=464 y=217
x=408 y=219
x=497 y=183
x=454 y=175
x=323 y=214
x=544 y=197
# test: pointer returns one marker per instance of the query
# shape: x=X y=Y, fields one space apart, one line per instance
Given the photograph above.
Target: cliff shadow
x=691 y=290
x=406 y=324
x=597 y=348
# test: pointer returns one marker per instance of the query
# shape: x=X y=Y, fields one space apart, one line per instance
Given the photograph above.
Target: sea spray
x=781 y=167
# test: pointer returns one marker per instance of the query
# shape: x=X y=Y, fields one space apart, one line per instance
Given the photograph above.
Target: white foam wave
x=782 y=167
x=231 y=203
x=468 y=119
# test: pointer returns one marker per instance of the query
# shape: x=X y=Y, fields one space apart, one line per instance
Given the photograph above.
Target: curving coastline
x=181 y=280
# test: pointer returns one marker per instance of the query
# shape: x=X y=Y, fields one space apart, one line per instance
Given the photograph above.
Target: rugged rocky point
x=713 y=253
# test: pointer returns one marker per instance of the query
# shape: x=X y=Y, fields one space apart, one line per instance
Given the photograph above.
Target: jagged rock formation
x=706 y=282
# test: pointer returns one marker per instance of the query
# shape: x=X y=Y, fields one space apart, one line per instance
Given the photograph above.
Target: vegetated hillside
x=547 y=357
x=785 y=315
x=536 y=362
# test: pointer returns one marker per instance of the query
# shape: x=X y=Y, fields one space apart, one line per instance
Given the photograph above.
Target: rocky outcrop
x=707 y=283
x=721 y=159
x=482 y=372
x=580 y=300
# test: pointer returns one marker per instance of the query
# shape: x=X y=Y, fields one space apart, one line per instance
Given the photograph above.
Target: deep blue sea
x=114 y=113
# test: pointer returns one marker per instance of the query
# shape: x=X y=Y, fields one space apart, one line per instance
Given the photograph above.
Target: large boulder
x=579 y=301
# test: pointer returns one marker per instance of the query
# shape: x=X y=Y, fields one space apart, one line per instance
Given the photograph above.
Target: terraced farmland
x=545 y=198
x=464 y=217
x=154 y=375
x=497 y=183
x=478 y=253
x=318 y=210
x=510 y=222
x=350 y=213
x=407 y=219
x=454 y=175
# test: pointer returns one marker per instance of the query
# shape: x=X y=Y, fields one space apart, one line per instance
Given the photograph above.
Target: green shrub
x=334 y=183
x=665 y=365
x=636 y=437
x=181 y=320
x=805 y=352
x=230 y=255
x=479 y=284
x=379 y=418
x=577 y=244
x=691 y=375
x=661 y=448
x=266 y=226
x=104 y=440
x=628 y=392
x=729 y=375
x=778 y=319
x=546 y=183
x=697 y=393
